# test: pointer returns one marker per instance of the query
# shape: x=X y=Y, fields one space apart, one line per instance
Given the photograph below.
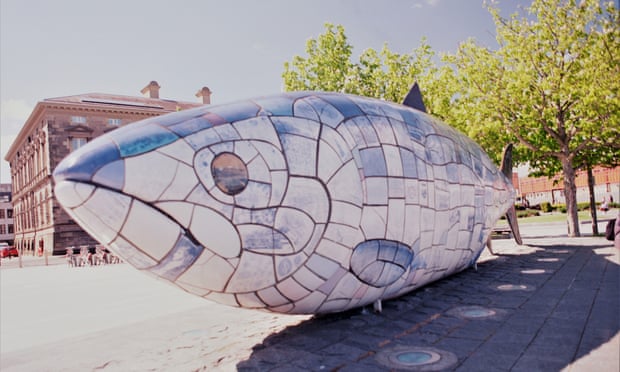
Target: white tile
x=245 y=150
x=345 y=185
x=374 y=221
x=303 y=109
x=226 y=132
x=308 y=279
x=279 y=180
x=180 y=151
x=295 y=225
x=292 y=290
x=308 y=195
x=250 y=301
x=258 y=129
x=344 y=234
x=131 y=253
x=148 y=175
x=337 y=142
x=328 y=161
x=210 y=272
x=346 y=213
x=396 y=219
x=150 y=230
x=384 y=130
x=202 y=167
x=254 y=272
x=285 y=265
x=300 y=154
x=328 y=114
x=180 y=211
x=336 y=252
x=376 y=190
x=272 y=297
x=396 y=188
x=310 y=303
x=274 y=158
x=263 y=239
x=393 y=161
x=183 y=183
x=297 y=126
x=412 y=224
x=215 y=232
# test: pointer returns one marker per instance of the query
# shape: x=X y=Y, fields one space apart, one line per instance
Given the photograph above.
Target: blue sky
x=237 y=47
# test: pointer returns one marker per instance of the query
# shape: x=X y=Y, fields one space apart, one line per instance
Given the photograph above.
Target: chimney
x=205 y=93
x=152 y=89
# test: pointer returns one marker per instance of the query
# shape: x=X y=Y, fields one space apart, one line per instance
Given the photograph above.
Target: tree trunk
x=592 y=201
x=570 y=195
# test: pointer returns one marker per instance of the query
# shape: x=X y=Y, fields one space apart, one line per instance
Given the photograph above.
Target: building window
x=78 y=142
x=2 y=214
x=2 y=229
x=9 y=213
x=11 y=229
x=78 y=119
x=115 y=122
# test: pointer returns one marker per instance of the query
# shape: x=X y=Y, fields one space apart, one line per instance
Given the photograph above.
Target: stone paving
x=550 y=305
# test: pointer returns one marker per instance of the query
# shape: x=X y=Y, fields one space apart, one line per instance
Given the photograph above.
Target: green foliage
x=551 y=86
x=546 y=207
x=380 y=74
x=527 y=213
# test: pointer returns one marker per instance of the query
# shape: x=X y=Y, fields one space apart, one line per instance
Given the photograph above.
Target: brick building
x=541 y=189
x=6 y=214
x=56 y=127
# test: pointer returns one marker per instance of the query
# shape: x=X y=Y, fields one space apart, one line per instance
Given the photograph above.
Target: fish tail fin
x=511 y=213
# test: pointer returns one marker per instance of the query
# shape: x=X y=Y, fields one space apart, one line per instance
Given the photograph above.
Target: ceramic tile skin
x=300 y=203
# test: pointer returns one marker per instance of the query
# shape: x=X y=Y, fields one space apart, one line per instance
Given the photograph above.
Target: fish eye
x=229 y=173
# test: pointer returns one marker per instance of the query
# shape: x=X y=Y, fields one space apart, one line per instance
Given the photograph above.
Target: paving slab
x=549 y=305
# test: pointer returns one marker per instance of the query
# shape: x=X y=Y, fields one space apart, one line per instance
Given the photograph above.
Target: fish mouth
x=140 y=233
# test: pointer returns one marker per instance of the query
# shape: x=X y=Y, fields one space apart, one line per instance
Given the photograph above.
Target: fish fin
x=511 y=214
x=413 y=99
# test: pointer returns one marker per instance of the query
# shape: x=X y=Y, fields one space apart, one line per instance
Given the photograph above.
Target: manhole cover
x=416 y=358
x=513 y=287
x=533 y=271
x=474 y=312
x=550 y=259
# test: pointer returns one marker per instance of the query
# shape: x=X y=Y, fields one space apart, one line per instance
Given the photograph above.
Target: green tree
x=552 y=85
x=327 y=66
x=384 y=74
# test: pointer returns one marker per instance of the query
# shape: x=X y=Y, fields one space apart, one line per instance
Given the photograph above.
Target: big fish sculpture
x=301 y=202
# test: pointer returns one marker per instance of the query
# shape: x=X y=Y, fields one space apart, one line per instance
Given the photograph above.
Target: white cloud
x=423 y=3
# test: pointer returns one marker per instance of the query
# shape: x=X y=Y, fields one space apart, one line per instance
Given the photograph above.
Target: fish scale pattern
x=303 y=202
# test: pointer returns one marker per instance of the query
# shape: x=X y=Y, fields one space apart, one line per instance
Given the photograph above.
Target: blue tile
x=347 y=108
x=183 y=255
x=236 y=111
x=373 y=162
x=276 y=105
x=136 y=141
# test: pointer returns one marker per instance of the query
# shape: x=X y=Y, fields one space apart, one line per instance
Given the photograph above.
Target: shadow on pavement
x=545 y=309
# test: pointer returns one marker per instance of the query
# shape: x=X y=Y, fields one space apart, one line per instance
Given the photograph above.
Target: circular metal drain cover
x=416 y=358
x=474 y=312
x=549 y=259
x=513 y=287
x=533 y=271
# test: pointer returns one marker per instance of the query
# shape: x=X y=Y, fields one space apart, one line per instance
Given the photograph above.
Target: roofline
x=147 y=111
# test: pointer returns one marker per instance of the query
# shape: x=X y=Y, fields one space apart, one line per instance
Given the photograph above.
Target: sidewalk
x=549 y=305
